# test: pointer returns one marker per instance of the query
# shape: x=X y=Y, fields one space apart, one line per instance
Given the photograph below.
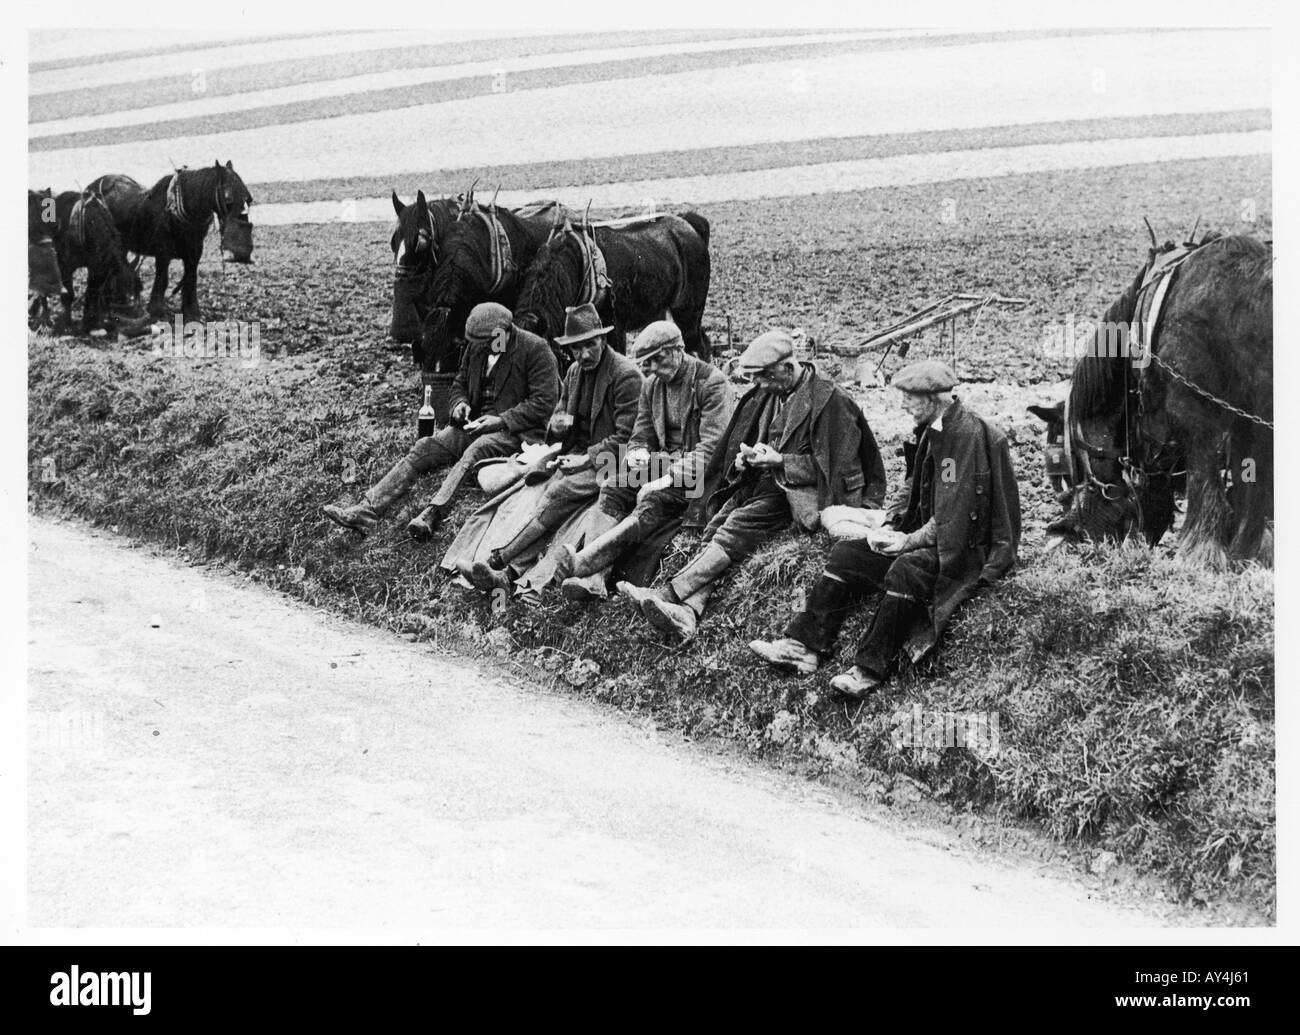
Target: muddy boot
x=424 y=524
x=678 y=611
x=605 y=544
x=377 y=500
x=674 y=619
x=639 y=595
x=501 y=557
x=487 y=578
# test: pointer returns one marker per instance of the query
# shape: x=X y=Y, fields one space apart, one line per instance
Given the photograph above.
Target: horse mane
x=103 y=244
x=1097 y=385
x=551 y=284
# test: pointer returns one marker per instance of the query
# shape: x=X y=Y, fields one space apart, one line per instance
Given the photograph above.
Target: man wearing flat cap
x=593 y=418
x=501 y=397
x=681 y=415
x=796 y=444
x=956 y=529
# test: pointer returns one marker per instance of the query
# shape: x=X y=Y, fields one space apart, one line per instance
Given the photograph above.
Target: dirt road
x=207 y=753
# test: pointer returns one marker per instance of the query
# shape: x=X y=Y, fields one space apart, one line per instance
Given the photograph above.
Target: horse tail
x=699 y=224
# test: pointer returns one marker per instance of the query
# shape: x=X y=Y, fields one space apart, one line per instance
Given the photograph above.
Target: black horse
x=483 y=256
x=636 y=273
x=171 y=219
x=43 y=275
x=416 y=244
x=1188 y=393
x=86 y=238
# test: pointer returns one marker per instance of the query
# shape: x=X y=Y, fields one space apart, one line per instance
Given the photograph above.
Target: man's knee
x=443 y=447
x=485 y=446
x=911 y=576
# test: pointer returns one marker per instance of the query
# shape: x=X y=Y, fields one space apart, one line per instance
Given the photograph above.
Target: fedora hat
x=581 y=322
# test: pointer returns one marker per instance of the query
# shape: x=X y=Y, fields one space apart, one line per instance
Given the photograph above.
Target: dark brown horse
x=171 y=219
x=416 y=244
x=43 y=275
x=484 y=254
x=86 y=238
x=1190 y=392
x=634 y=273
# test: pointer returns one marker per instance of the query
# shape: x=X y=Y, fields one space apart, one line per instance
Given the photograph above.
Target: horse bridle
x=426 y=235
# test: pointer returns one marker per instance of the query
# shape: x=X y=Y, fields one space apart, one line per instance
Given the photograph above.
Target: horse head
x=1104 y=490
x=233 y=202
x=122 y=287
x=414 y=244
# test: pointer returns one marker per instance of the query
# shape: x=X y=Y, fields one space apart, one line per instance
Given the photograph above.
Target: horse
x=86 y=237
x=43 y=275
x=416 y=243
x=1189 y=394
x=633 y=273
x=171 y=219
x=484 y=250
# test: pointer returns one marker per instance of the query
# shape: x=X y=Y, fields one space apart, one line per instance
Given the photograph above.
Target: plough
x=943 y=314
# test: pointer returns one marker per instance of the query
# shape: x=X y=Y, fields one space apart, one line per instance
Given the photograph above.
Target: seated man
x=593 y=418
x=680 y=420
x=797 y=444
x=504 y=391
x=957 y=530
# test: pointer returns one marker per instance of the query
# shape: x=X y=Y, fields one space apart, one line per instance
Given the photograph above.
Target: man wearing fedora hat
x=797 y=443
x=956 y=530
x=505 y=389
x=593 y=418
x=681 y=416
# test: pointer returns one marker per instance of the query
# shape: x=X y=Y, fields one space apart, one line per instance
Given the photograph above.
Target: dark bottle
x=428 y=421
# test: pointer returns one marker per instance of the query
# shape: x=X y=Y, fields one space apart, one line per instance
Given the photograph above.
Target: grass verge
x=1133 y=696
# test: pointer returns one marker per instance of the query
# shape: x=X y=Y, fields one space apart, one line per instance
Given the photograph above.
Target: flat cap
x=926 y=375
x=485 y=320
x=655 y=337
x=768 y=348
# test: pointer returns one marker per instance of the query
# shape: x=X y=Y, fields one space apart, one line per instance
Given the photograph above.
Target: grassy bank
x=1134 y=697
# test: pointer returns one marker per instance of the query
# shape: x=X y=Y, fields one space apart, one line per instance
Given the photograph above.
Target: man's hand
x=485 y=425
x=573 y=463
x=561 y=423
x=658 y=485
x=639 y=457
x=887 y=541
x=766 y=457
x=460 y=413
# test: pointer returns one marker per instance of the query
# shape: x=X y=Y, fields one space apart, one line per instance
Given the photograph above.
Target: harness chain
x=1211 y=396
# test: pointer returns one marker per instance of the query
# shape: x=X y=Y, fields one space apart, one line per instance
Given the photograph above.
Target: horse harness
x=1145 y=323
x=502 y=261
x=175 y=206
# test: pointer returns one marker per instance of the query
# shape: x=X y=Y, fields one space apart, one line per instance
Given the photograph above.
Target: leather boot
x=708 y=564
x=674 y=619
x=488 y=577
x=523 y=539
x=572 y=563
x=424 y=524
x=375 y=504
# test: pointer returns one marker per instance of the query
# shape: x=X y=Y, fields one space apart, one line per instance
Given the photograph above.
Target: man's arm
x=460 y=383
x=715 y=414
x=543 y=380
x=1004 y=514
x=644 y=435
x=626 y=393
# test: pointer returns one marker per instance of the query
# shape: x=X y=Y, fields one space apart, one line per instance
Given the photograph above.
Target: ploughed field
x=1135 y=697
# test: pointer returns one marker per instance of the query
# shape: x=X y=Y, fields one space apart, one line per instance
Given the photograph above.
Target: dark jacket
x=703 y=426
x=841 y=466
x=613 y=403
x=976 y=513
x=526 y=378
